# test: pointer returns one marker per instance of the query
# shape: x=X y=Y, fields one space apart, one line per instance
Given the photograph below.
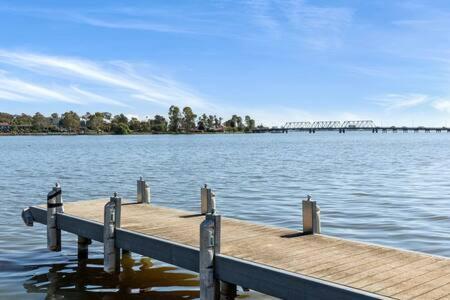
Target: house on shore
x=5 y=127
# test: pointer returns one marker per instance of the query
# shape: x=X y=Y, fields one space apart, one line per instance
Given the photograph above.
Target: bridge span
x=344 y=126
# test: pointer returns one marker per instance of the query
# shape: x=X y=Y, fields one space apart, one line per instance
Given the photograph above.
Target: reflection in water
x=139 y=279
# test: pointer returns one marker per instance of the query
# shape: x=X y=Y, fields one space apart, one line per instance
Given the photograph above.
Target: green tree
x=210 y=122
x=174 y=118
x=158 y=124
x=120 y=128
x=249 y=123
x=6 y=118
x=120 y=119
x=217 y=122
x=135 y=124
x=119 y=124
x=240 y=126
x=145 y=126
x=70 y=121
x=40 y=122
x=95 y=121
x=202 y=123
x=23 y=119
x=234 y=124
x=188 y=121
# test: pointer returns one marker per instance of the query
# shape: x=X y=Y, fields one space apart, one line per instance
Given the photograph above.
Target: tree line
x=178 y=121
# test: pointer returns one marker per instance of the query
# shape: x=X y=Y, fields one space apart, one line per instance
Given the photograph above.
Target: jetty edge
x=226 y=252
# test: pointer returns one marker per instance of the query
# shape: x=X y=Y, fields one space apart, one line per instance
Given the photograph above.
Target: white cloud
x=80 y=76
x=401 y=101
x=317 y=26
x=97 y=98
x=128 y=24
x=6 y=95
x=313 y=25
x=442 y=105
x=19 y=90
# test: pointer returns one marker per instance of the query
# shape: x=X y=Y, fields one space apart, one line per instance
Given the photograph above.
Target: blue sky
x=277 y=60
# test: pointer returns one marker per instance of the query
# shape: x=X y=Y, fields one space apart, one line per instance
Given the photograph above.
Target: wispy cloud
x=19 y=90
x=302 y=22
x=317 y=26
x=78 y=81
x=442 y=105
x=172 y=21
x=401 y=101
x=128 y=24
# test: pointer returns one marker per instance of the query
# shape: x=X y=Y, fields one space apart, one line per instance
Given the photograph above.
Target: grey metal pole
x=208 y=200
x=139 y=190
x=227 y=291
x=111 y=223
x=54 y=206
x=143 y=191
x=311 y=216
x=209 y=237
x=83 y=247
x=204 y=199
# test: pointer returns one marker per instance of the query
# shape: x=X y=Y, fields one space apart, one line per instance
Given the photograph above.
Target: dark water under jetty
x=392 y=189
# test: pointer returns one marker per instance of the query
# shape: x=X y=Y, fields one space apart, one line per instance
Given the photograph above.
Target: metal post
x=83 y=247
x=311 y=216
x=143 y=191
x=208 y=200
x=228 y=291
x=224 y=290
x=209 y=246
x=111 y=223
x=54 y=206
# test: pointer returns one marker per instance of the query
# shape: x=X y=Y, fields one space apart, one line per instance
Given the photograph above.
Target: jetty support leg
x=83 y=247
x=111 y=222
x=228 y=291
x=143 y=192
x=54 y=205
x=311 y=216
x=209 y=237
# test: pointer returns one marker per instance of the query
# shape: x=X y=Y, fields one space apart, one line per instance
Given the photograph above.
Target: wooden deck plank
x=412 y=270
x=350 y=262
x=440 y=293
x=420 y=284
x=385 y=271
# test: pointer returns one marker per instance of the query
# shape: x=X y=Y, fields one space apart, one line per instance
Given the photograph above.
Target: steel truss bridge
x=330 y=125
x=343 y=126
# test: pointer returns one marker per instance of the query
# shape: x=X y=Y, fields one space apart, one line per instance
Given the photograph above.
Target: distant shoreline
x=115 y=134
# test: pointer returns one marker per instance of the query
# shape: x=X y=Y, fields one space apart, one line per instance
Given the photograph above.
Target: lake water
x=392 y=189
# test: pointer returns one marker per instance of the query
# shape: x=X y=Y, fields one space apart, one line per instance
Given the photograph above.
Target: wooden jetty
x=227 y=252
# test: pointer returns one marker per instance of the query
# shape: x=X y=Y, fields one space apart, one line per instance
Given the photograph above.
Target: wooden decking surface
x=388 y=272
